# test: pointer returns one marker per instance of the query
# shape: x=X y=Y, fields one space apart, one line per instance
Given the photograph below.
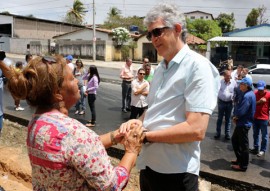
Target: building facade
x=19 y=34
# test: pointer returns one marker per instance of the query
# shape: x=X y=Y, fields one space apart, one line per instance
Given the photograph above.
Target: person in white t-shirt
x=140 y=89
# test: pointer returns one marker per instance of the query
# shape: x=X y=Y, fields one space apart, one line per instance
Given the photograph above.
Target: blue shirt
x=245 y=109
x=189 y=84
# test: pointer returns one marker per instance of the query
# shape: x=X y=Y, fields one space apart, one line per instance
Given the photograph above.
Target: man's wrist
x=145 y=140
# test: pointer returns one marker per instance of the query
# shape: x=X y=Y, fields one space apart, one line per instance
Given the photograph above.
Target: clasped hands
x=131 y=135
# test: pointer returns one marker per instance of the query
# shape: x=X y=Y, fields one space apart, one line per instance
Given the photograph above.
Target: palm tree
x=76 y=14
x=114 y=12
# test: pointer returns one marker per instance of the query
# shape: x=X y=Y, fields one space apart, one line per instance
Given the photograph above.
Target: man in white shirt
x=140 y=90
x=182 y=97
x=225 y=104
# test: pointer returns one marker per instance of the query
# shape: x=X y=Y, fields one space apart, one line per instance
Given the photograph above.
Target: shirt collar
x=177 y=58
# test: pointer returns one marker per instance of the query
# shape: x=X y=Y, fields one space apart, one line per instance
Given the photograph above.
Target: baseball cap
x=246 y=81
x=69 y=57
x=261 y=85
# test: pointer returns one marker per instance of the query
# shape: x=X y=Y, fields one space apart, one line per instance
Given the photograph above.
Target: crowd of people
x=170 y=108
x=250 y=110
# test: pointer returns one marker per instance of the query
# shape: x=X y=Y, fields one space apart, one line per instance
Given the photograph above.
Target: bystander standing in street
x=69 y=59
x=237 y=74
x=243 y=118
x=79 y=72
x=225 y=104
x=148 y=76
x=127 y=76
x=93 y=80
x=182 y=97
x=18 y=68
x=140 y=89
x=28 y=57
x=261 y=118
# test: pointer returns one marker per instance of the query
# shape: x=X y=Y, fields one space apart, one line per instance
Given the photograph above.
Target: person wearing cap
x=243 y=118
x=69 y=59
x=261 y=119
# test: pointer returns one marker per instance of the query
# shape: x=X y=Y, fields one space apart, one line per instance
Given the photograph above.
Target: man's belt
x=225 y=101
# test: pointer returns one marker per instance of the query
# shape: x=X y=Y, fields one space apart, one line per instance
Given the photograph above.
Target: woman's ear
x=58 y=97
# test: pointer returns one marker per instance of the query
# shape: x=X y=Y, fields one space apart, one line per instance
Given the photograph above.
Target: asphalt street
x=215 y=154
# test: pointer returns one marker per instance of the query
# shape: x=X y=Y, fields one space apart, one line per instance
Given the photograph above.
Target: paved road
x=216 y=154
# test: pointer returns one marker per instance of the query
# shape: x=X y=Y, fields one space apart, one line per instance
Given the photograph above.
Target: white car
x=260 y=72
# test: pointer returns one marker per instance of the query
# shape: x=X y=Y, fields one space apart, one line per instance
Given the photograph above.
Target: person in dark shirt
x=243 y=118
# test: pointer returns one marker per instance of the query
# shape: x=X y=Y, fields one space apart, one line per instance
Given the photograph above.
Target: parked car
x=260 y=72
x=262 y=60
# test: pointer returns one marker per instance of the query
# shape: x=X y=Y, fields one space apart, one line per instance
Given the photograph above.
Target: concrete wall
x=5 y=44
x=85 y=34
x=81 y=48
x=37 y=46
x=38 y=29
x=4 y=19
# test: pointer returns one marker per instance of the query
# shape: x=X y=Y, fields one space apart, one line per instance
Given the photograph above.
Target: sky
x=56 y=9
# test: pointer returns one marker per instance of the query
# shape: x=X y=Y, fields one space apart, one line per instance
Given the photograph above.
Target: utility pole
x=94 y=32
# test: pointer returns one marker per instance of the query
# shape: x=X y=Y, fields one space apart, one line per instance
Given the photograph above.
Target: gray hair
x=171 y=16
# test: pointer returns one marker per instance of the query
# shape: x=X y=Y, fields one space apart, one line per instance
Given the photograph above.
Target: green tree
x=252 y=18
x=226 y=22
x=76 y=14
x=204 y=29
x=115 y=19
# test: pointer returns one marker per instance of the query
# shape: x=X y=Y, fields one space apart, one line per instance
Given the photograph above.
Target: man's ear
x=178 y=28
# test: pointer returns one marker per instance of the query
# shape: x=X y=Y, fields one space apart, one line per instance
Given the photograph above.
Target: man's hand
x=2 y=55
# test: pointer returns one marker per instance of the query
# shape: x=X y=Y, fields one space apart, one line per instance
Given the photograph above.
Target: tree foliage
x=76 y=14
x=226 y=22
x=256 y=16
x=120 y=36
x=204 y=29
x=115 y=19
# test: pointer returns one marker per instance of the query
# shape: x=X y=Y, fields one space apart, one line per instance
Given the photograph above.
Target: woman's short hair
x=39 y=82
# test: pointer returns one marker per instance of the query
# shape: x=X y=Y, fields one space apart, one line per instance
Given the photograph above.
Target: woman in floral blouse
x=64 y=154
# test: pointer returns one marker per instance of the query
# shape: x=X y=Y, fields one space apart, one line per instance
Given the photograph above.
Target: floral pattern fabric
x=66 y=155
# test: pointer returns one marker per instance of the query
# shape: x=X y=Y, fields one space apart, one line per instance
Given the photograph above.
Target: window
x=261 y=71
x=192 y=17
x=201 y=17
x=206 y=17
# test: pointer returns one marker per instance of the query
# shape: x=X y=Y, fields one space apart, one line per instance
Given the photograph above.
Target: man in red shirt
x=261 y=119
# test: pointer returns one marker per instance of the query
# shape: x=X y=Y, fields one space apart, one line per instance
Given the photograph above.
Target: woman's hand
x=127 y=126
x=134 y=139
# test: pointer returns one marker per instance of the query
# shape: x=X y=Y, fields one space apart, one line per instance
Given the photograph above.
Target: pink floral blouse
x=66 y=155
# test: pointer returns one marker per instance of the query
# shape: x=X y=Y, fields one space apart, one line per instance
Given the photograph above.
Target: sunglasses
x=142 y=73
x=48 y=60
x=155 y=32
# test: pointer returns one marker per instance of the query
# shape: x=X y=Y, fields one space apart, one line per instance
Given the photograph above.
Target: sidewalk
x=88 y=62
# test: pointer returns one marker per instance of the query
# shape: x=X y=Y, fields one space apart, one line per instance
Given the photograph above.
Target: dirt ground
x=15 y=169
